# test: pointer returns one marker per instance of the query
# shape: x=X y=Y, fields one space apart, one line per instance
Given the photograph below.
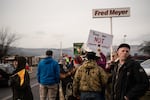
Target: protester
x=77 y=62
x=28 y=68
x=109 y=68
x=129 y=80
x=65 y=76
x=89 y=79
x=48 y=74
x=71 y=65
x=20 y=81
x=113 y=59
x=101 y=59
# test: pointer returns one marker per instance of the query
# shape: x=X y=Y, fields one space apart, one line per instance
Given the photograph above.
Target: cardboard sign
x=98 y=40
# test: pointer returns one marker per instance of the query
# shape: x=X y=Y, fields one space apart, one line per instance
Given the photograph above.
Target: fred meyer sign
x=111 y=12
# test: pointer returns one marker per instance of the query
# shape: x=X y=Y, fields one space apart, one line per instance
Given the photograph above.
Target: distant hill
x=38 y=51
x=69 y=51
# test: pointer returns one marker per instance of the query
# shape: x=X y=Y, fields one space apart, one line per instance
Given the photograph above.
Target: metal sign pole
x=111 y=32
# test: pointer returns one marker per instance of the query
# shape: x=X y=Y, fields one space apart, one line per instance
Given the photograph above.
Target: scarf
x=21 y=74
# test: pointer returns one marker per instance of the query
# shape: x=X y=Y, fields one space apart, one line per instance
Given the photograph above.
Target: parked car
x=146 y=66
x=5 y=71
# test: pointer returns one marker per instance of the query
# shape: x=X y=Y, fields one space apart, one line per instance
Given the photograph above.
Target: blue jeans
x=48 y=91
x=91 y=96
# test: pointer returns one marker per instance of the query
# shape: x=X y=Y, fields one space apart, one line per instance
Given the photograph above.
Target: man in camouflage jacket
x=89 y=79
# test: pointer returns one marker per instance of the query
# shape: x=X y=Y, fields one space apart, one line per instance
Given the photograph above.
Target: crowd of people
x=92 y=77
x=88 y=77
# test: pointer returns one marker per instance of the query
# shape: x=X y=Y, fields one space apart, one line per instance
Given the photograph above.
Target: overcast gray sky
x=45 y=23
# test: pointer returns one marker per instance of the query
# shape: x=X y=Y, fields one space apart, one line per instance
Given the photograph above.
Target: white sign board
x=111 y=12
x=98 y=40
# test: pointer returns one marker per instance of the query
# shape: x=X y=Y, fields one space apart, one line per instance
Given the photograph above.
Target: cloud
x=144 y=37
x=58 y=35
x=138 y=39
x=40 y=32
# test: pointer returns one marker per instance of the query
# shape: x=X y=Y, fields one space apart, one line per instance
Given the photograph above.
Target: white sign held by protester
x=98 y=40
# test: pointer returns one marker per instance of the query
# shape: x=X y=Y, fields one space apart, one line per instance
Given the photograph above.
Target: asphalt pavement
x=33 y=72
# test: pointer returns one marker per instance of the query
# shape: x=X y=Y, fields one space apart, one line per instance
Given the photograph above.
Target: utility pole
x=124 y=39
x=60 y=49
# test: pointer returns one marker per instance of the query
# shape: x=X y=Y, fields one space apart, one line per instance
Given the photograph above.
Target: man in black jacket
x=129 y=80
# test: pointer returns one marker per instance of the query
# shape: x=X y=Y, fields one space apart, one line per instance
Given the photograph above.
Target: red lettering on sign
x=99 y=40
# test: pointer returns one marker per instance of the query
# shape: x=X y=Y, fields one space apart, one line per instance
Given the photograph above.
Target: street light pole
x=61 y=49
x=124 y=40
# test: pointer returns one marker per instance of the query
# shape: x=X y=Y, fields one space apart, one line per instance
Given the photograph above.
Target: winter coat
x=102 y=61
x=130 y=81
x=89 y=77
x=48 y=72
x=20 y=83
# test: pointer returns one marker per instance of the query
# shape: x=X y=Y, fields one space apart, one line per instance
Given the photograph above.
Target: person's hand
x=78 y=97
x=99 y=50
x=126 y=98
x=108 y=64
x=73 y=70
x=69 y=73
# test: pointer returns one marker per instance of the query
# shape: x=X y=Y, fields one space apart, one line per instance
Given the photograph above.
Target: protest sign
x=98 y=40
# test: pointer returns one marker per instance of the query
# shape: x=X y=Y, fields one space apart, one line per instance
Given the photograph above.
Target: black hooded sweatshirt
x=21 y=91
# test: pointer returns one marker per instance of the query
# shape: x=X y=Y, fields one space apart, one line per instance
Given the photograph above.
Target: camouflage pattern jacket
x=89 y=77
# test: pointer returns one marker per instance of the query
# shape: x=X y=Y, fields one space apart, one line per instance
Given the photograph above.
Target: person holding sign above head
x=101 y=58
x=101 y=61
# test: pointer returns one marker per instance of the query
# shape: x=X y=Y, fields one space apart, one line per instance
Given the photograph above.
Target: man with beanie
x=48 y=76
x=89 y=80
x=129 y=80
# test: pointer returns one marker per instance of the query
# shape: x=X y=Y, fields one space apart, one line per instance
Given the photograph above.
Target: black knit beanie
x=123 y=45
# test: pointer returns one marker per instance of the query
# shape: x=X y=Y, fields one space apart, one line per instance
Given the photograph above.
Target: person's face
x=15 y=63
x=114 y=56
x=123 y=53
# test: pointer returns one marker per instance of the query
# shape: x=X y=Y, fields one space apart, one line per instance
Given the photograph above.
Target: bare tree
x=6 y=40
x=145 y=47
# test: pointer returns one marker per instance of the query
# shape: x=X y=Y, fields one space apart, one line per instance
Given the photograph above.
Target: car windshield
x=146 y=64
x=8 y=68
